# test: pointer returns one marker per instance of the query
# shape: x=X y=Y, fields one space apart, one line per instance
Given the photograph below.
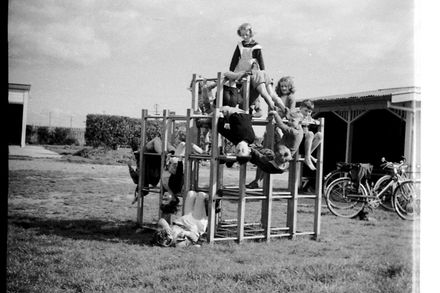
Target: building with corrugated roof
x=366 y=126
x=18 y=99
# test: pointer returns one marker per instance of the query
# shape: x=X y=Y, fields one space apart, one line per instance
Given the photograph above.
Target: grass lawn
x=71 y=228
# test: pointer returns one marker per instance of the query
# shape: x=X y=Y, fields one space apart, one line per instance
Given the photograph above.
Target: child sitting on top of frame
x=260 y=85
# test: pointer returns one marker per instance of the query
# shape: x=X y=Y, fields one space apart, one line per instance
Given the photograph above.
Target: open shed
x=366 y=126
x=18 y=98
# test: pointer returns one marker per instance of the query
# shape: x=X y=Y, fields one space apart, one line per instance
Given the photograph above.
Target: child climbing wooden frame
x=240 y=195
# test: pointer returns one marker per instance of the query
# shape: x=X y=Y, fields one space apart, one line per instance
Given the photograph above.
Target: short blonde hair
x=242 y=149
x=245 y=26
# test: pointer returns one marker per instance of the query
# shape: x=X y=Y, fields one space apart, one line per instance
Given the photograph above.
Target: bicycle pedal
x=374 y=203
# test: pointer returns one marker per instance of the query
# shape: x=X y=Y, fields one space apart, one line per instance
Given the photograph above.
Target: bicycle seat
x=344 y=166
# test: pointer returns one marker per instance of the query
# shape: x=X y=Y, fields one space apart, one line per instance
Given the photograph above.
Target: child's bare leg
x=163 y=224
x=308 y=139
x=261 y=88
x=317 y=139
x=297 y=141
x=189 y=202
x=196 y=149
x=199 y=210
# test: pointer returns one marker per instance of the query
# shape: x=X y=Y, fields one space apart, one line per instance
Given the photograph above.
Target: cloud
x=38 y=33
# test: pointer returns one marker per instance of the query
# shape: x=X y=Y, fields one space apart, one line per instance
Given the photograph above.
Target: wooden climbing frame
x=220 y=229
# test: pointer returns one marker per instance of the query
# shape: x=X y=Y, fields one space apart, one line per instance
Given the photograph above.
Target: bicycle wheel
x=343 y=199
x=387 y=197
x=332 y=176
x=406 y=200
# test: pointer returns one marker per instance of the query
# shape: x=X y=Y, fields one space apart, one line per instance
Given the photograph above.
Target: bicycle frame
x=372 y=192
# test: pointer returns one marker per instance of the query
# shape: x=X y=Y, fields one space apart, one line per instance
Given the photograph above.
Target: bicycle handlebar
x=396 y=167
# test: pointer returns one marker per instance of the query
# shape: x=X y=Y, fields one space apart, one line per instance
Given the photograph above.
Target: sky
x=119 y=57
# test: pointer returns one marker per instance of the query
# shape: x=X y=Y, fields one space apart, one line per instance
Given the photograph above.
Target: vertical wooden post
x=220 y=143
x=241 y=202
x=194 y=92
x=268 y=143
x=141 y=182
x=291 y=201
x=214 y=165
x=267 y=206
x=410 y=145
x=297 y=182
x=242 y=174
x=349 y=138
x=318 y=182
x=213 y=176
x=196 y=163
x=164 y=138
x=188 y=162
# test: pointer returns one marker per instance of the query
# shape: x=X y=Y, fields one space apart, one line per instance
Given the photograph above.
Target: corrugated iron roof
x=374 y=93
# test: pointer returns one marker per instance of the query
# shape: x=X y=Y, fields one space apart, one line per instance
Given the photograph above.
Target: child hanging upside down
x=236 y=126
x=269 y=161
x=172 y=176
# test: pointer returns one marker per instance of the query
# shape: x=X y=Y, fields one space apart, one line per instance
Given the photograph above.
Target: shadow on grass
x=87 y=229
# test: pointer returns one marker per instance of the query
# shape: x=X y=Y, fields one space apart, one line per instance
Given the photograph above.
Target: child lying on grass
x=187 y=229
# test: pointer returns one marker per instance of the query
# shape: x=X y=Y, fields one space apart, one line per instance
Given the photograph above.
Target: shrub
x=114 y=131
x=43 y=135
x=31 y=134
x=59 y=135
x=46 y=135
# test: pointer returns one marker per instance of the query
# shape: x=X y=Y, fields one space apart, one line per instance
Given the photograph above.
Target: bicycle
x=345 y=198
x=343 y=169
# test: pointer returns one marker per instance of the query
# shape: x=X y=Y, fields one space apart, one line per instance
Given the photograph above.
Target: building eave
x=377 y=99
x=19 y=86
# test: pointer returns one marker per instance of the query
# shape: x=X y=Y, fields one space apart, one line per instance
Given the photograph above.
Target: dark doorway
x=335 y=132
x=377 y=134
x=15 y=121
